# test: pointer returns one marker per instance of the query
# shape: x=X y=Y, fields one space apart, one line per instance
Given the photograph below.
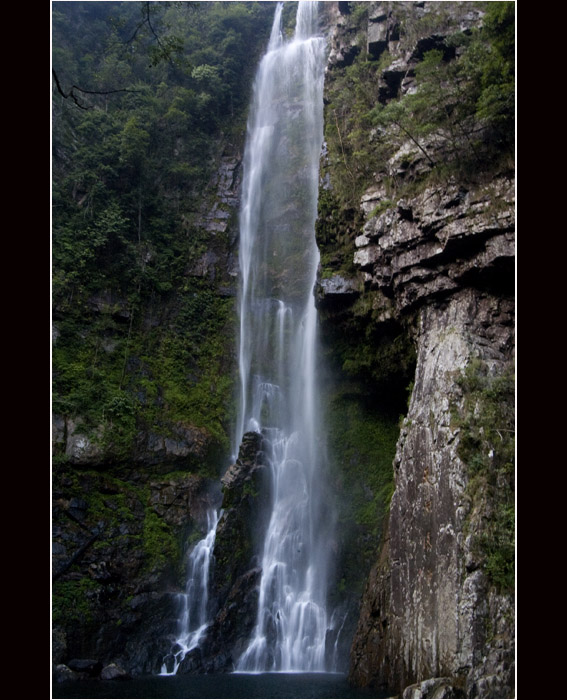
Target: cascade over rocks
x=114 y=562
x=235 y=577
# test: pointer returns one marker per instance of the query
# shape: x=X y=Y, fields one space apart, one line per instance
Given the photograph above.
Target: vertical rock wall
x=437 y=614
x=429 y=610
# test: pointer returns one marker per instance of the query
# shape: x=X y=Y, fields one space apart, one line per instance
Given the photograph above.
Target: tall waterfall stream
x=277 y=354
x=278 y=361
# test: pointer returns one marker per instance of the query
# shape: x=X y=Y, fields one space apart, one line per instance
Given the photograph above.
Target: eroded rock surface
x=441 y=260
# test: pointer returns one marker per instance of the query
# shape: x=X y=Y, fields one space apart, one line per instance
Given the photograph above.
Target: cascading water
x=194 y=617
x=277 y=354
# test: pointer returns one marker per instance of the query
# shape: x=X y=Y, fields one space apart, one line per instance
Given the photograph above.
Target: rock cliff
x=126 y=514
x=438 y=258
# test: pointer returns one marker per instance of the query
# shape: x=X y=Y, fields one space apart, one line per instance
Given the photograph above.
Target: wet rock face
x=219 y=263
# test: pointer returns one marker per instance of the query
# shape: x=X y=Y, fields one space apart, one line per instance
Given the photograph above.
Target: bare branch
x=72 y=95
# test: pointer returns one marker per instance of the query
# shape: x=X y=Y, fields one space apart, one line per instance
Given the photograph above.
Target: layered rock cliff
x=437 y=257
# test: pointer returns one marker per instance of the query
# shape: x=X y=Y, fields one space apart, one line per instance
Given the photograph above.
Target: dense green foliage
x=73 y=601
x=335 y=228
x=131 y=543
x=362 y=444
x=459 y=116
x=487 y=447
x=370 y=367
x=146 y=96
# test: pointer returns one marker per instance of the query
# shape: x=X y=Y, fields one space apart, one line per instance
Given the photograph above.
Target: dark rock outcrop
x=244 y=494
x=117 y=552
x=236 y=575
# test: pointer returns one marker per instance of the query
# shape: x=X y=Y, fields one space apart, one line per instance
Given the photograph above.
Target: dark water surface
x=262 y=685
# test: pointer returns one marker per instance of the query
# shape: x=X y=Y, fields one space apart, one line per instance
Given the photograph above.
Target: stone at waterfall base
x=113 y=672
x=433 y=688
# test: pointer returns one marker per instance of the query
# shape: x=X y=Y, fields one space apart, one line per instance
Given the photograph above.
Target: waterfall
x=193 y=604
x=277 y=345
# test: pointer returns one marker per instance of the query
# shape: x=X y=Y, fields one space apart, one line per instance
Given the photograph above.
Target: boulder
x=113 y=672
x=62 y=673
x=91 y=667
x=433 y=688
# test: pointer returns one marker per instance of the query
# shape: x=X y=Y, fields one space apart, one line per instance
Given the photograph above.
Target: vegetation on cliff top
x=459 y=112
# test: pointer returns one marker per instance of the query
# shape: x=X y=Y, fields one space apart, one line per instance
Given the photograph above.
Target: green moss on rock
x=487 y=447
x=362 y=444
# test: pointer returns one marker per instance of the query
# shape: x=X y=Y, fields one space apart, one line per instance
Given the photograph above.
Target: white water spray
x=194 y=617
x=277 y=353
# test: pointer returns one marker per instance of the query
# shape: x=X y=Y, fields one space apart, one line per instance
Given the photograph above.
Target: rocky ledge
x=438 y=242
